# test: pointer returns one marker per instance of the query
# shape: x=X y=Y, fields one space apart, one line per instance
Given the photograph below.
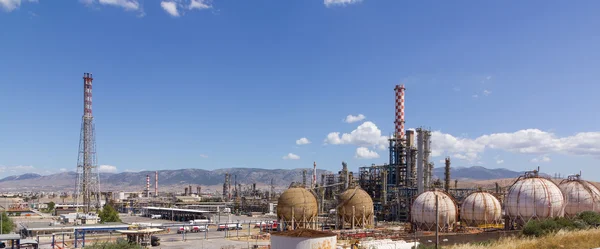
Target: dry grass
x=583 y=239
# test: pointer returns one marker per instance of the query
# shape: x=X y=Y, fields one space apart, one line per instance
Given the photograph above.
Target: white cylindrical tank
x=303 y=239
x=423 y=210
x=580 y=196
x=534 y=197
x=480 y=208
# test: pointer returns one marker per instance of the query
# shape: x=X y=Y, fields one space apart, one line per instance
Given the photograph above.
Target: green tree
x=51 y=206
x=7 y=224
x=109 y=214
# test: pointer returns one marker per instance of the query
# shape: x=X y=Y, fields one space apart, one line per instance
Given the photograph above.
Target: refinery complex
x=395 y=205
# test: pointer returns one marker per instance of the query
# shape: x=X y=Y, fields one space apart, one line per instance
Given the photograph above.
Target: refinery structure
x=399 y=201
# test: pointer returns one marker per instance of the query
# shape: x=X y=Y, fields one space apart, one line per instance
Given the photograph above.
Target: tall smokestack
x=304 y=178
x=447 y=175
x=147 y=185
x=399 y=89
x=314 y=176
x=426 y=153
x=156 y=183
x=420 y=161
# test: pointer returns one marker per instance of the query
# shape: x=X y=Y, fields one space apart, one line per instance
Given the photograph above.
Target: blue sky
x=215 y=84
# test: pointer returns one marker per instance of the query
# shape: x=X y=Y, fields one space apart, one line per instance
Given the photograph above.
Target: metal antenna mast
x=88 y=178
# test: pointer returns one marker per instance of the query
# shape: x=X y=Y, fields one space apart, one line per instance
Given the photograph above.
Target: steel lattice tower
x=88 y=178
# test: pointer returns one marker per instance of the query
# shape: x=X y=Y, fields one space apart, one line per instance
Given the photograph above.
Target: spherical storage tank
x=297 y=204
x=481 y=208
x=356 y=204
x=534 y=197
x=423 y=210
x=580 y=196
x=303 y=239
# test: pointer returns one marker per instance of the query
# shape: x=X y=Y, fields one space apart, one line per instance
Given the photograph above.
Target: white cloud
x=486 y=92
x=62 y=170
x=170 y=8
x=128 y=5
x=199 y=4
x=529 y=141
x=302 y=141
x=125 y=4
x=107 y=169
x=330 y=3
x=10 y=5
x=17 y=169
x=351 y=119
x=541 y=159
x=365 y=135
x=365 y=153
x=475 y=96
x=499 y=161
x=203 y=156
x=291 y=156
x=133 y=170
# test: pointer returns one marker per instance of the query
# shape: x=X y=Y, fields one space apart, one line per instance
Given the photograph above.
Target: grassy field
x=583 y=239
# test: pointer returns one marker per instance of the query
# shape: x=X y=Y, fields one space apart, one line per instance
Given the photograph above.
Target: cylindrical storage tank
x=356 y=205
x=534 y=198
x=298 y=205
x=580 y=196
x=423 y=210
x=481 y=208
x=303 y=239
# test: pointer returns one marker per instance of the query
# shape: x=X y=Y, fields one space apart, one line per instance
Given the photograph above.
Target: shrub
x=117 y=245
x=533 y=228
x=589 y=217
x=580 y=224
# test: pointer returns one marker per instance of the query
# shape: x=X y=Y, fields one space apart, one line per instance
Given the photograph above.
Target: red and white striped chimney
x=399 y=132
x=87 y=95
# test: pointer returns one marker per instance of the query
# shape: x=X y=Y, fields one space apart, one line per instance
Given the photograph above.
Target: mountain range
x=170 y=180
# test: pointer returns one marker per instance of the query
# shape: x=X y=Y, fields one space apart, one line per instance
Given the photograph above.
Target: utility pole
x=437 y=221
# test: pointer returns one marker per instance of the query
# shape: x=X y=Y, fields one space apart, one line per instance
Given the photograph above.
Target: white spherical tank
x=481 y=208
x=534 y=197
x=303 y=239
x=423 y=210
x=580 y=196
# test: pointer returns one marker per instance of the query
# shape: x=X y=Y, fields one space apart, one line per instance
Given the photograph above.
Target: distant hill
x=170 y=180
x=21 y=177
x=478 y=173
x=167 y=178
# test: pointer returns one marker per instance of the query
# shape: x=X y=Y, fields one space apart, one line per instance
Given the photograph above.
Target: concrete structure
x=423 y=211
x=355 y=209
x=389 y=244
x=481 y=208
x=533 y=197
x=303 y=239
x=580 y=195
x=297 y=208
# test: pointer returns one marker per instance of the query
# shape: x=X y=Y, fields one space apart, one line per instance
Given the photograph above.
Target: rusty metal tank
x=297 y=204
x=481 y=208
x=580 y=196
x=356 y=205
